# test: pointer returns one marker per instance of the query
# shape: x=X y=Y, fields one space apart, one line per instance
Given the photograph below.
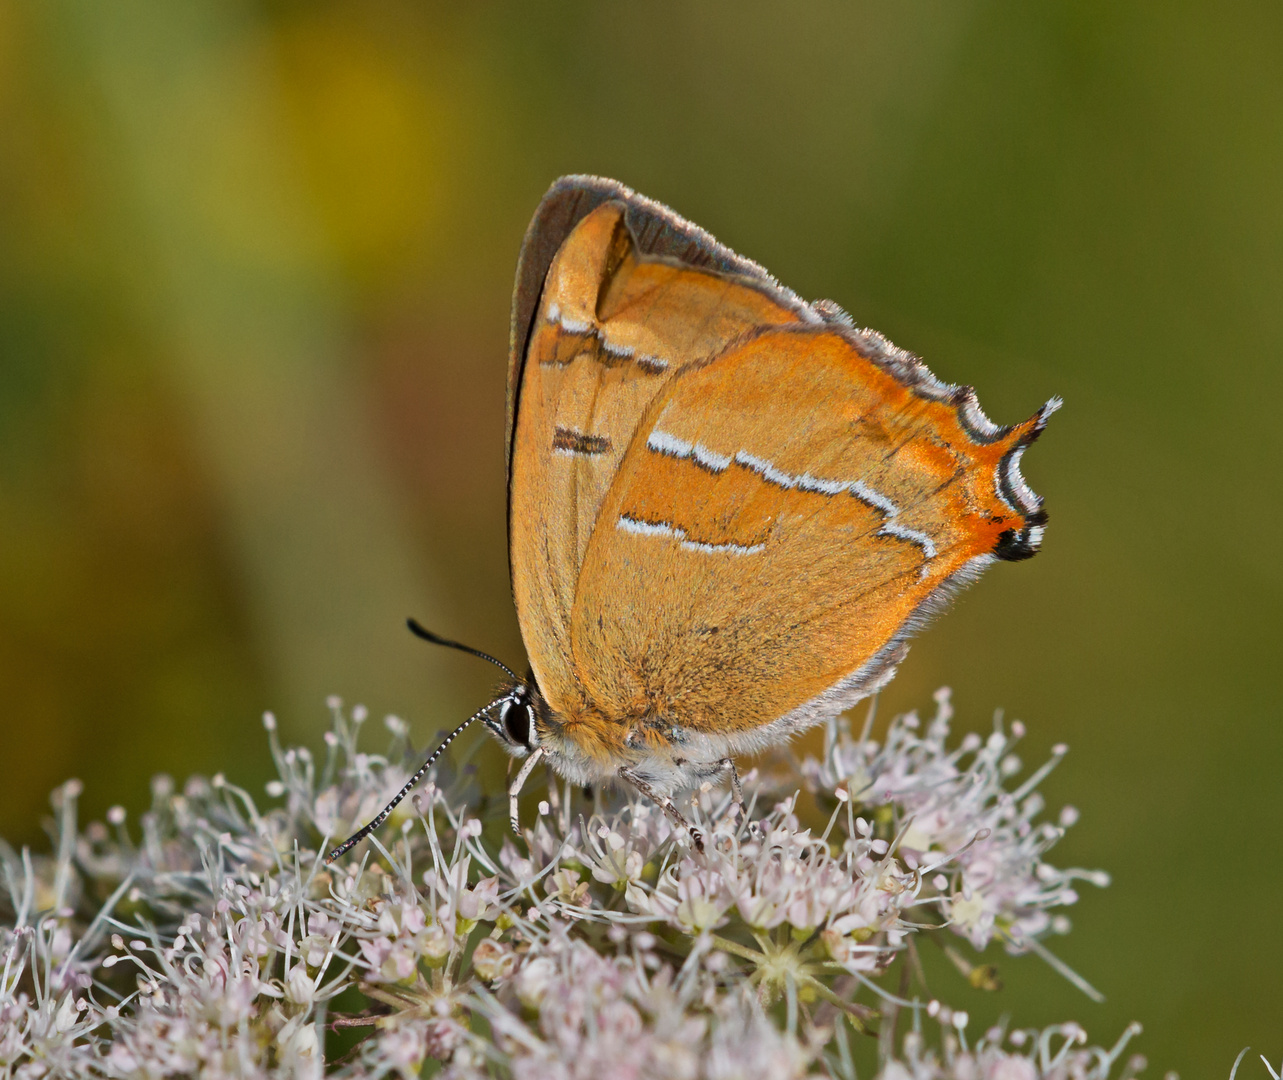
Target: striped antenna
x=419 y=630
x=357 y=837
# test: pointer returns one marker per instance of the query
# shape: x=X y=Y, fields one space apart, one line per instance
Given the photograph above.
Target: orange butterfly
x=728 y=508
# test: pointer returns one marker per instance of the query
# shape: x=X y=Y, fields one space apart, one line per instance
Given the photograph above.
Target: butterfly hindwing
x=779 y=520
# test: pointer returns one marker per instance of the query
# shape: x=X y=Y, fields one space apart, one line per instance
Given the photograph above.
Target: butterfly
x=728 y=508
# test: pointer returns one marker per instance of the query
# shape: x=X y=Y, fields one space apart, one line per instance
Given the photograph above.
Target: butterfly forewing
x=610 y=331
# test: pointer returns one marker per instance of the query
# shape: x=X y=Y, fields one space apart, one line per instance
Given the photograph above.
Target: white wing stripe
x=661 y=528
x=765 y=469
x=647 y=361
x=875 y=499
x=662 y=442
x=901 y=532
x=646 y=528
x=712 y=549
x=807 y=482
x=622 y=351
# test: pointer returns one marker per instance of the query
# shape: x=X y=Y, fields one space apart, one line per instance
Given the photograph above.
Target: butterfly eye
x=515 y=718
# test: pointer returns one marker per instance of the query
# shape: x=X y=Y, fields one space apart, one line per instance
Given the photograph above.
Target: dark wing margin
x=1023 y=543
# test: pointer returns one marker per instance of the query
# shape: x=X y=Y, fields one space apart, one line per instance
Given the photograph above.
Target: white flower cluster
x=976 y=846
x=212 y=940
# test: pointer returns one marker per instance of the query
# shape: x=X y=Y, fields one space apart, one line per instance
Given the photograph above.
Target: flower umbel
x=210 y=939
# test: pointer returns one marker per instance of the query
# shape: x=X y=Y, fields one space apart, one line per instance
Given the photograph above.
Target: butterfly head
x=521 y=718
x=513 y=718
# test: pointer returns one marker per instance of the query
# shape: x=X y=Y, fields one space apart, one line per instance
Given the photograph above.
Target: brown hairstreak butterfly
x=728 y=508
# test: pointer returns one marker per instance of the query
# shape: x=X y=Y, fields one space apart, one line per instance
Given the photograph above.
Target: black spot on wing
x=1023 y=543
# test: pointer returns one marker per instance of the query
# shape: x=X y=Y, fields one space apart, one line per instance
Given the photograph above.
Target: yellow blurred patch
x=373 y=133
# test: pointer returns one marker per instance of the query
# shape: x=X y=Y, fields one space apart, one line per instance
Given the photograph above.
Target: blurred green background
x=255 y=266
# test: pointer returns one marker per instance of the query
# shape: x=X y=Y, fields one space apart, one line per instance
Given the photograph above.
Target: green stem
x=858 y=1014
x=735 y=948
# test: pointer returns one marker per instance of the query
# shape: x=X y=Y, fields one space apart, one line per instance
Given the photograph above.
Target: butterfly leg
x=517 y=785
x=737 y=792
x=664 y=803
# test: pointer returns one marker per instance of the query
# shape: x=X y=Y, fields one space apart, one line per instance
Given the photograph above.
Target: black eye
x=515 y=718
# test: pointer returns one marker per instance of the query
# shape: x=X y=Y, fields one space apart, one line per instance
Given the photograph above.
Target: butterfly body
x=728 y=508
